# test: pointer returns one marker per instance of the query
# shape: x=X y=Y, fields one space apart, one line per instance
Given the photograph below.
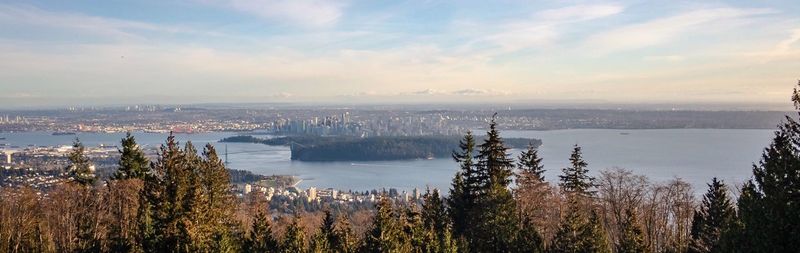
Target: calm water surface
x=695 y=155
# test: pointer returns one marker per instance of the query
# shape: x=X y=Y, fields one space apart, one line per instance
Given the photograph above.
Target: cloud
x=477 y=92
x=427 y=92
x=663 y=30
x=580 y=12
x=541 y=28
x=310 y=13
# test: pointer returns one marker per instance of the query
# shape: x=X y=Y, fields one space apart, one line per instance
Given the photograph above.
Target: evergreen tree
x=133 y=163
x=435 y=219
x=81 y=169
x=530 y=190
x=386 y=233
x=715 y=216
x=576 y=180
x=497 y=227
x=579 y=233
x=528 y=239
x=294 y=240
x=768 y=208
x=319 y=244
x=632 y=237
x=419 y=238
x=530 y=166
x=463 y=194
x=328 y=231
x=260 y=239
x=345 y=241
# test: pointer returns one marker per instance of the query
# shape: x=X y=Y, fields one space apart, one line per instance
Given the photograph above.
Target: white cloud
x=663 y=30
x=312 y=13
x=580 y=12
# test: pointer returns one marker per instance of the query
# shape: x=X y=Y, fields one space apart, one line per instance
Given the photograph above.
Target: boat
x=624 y=133
x=63 y=133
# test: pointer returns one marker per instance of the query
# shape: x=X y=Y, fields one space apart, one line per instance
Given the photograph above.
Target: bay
x=695 y=155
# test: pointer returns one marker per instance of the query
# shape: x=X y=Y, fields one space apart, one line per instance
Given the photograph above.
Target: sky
x=55 y=53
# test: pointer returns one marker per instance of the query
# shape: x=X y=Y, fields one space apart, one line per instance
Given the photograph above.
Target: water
x=696 y=155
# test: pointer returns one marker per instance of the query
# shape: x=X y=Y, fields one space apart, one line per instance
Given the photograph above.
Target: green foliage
x=530 y=166
x=715 y=216
x=497 y=224
x=579 y=233
x=528 y=239
x=133 y=163
x=386 y=233
x=344 y=238
x=260 y=238
x=80 y=169
x=632 y=238
x=294 y=240
x=576 y=179
x=463 y=193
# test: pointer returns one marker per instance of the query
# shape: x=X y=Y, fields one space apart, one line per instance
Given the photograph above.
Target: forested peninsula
x=381 y=148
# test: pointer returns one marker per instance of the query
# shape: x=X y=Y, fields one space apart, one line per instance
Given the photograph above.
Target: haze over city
x=57 y=53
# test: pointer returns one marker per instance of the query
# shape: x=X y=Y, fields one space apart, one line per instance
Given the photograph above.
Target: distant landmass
x=343 y=148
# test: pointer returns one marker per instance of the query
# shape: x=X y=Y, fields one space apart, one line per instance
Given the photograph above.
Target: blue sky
x=121 y=52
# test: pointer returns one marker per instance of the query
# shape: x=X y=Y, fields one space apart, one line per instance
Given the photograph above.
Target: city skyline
x=619 y=52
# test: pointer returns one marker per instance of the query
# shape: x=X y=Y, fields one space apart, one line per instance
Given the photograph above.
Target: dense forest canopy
x=344 y=148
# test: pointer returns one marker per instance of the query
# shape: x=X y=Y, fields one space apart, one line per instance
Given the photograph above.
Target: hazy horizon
x=721 y=55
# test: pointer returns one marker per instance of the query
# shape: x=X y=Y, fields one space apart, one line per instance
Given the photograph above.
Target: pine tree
x=463 y=194
x=579 y=233
x=497 y=227
x=768 y=207
x=419 y=238
x=260 y=239
x=326 y=237
x=345 y=241
x=528 y=239
x=81 y=169
x=632 y=237
x=294 y=240
x=133 y=163
x=386 y=233
x=575 y=180
x=530 y=166
x=715 y=216
x=435 y=219
x=529 y=193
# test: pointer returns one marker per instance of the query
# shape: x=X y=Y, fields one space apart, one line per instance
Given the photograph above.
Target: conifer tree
x=260 y=239
x=632 y=237
x=81 y=169
x=419 y=238
x=464 y=193
x=328 y=232
x=530 y=166
x=498 y=225
x=579 y=233
x=435 y=219
x=386 y=233
x=133 y=163
x=294 y=239
x=768 y=208
x=528 y=239
x=576 y=180
x=714 y=217
x=345 y=241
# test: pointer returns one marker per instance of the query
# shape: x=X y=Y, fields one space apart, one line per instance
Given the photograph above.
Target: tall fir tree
x=81 y=169
x=345 y=241
x=294 y=240
x=133 y=163
x=714 y=217
x=386 y=233
x=497 y=225
x=435 y=219
x=260 y=239
x=769 y=213
x=632 y=238
x=579 y=232
x=463 y=193
x=576 y=180
x=530 y=190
